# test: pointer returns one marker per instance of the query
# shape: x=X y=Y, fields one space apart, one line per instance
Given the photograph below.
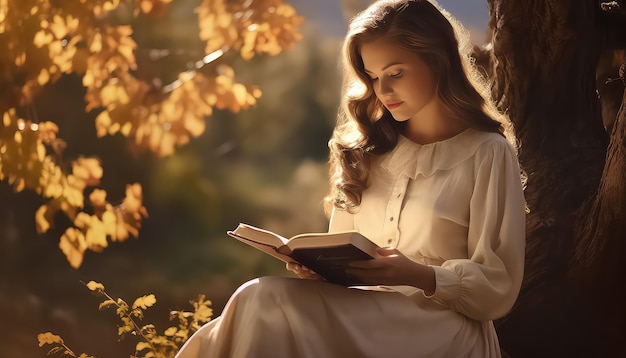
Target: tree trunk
x=545 y=56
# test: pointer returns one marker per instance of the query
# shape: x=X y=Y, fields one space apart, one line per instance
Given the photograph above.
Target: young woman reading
x=422 y=164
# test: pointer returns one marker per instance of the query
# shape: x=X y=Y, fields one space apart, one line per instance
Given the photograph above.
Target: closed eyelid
x=397 y=73
x=385 y=68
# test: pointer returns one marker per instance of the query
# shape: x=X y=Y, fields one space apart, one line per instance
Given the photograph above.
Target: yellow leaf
x=98 y=198
x=145 y=301
x=51 y=179
x=17 y=137
x=43 y=77
x=106 y=303
x=43 y=219
x=110 y=222
x=82 y=220
x=203 y=313
x=42 y=38
x=111 y=5
x=141 y=346
x=126 y=49
x=183 y=334
x=41 y=152
x=96 y=237
x=126 y=128
x=48 y=338
x=48 y=131
x=88 y=169
x=73 y=191
x=194 y=124
x=121 y=233
x=58 y=27
x=103 y=122
x=146 y=6
x=170 y=331
x=20 y=59
x=134 y=197
x=96 y=43
x=240 y=92
x=73 y=246
x=95 y=286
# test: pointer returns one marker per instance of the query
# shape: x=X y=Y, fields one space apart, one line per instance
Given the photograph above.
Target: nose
x=384 y=87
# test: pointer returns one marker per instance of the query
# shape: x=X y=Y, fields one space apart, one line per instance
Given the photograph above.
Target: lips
x=393 y=105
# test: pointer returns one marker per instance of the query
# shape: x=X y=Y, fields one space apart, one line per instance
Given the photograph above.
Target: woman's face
x=401 y=79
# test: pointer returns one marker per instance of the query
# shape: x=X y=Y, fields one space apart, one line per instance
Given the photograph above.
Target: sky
x=327 y=15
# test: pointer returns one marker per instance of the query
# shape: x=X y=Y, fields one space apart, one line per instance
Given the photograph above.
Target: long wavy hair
x=364 y=126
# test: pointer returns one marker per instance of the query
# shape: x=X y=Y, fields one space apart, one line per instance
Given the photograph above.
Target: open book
x=328 y=254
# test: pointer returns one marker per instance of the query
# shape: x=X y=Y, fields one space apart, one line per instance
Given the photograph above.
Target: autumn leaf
x=73 y=245
x=144 y=302
x=142 y=346
x=97 y=198
x=49 y=338
x=170 y=331
x=88 y=169
x=95 y=286
x=203 y=313
x=106 y=304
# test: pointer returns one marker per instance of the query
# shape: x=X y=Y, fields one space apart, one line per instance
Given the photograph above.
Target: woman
x=420 y=164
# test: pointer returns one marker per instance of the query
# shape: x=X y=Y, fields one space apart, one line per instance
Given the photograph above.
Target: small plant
x=151 y=344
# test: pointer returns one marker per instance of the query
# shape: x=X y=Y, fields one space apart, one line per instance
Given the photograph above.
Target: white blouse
x=456 y=205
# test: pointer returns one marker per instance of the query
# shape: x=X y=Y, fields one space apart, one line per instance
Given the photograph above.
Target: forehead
x=382 y=53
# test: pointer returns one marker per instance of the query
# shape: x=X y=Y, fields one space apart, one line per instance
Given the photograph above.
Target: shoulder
x=491 y=143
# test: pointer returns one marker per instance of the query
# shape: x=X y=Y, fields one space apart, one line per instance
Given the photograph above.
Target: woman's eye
x=396 y=74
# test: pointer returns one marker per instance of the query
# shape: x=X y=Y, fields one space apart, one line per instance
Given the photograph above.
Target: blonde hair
x=364 y=126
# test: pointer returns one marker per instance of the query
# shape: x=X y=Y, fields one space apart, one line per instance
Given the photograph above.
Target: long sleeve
x=485 y=286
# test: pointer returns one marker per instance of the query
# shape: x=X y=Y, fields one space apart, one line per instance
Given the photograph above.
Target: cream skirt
x=290 y=317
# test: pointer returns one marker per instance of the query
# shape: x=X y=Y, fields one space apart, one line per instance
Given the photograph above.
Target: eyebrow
x=386 y=67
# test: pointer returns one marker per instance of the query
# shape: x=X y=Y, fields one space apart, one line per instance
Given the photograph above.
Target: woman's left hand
x=393 y=268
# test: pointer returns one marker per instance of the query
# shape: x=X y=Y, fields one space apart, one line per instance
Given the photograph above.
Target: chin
x=401 y=118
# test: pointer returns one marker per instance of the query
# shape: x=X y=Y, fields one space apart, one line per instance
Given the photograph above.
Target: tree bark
x=598 y=261
x=545 y=56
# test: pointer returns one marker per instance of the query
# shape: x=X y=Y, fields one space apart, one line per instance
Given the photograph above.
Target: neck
x=432 y=124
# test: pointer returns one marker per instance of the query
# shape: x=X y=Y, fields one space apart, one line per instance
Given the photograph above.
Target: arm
x=485 y=286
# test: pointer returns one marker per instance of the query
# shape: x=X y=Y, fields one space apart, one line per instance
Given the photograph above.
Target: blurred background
x=265 y=166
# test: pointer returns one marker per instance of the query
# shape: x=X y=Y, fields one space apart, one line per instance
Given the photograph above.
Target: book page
x=268 y=249
x=260 y=236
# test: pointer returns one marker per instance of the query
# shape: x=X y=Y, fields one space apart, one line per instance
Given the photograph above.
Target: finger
x=387 y=251
x=292 y=266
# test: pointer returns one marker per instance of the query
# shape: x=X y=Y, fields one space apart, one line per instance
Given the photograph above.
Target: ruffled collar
x=411 y=159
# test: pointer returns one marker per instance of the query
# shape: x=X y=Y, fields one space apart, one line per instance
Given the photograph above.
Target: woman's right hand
x=303 y=271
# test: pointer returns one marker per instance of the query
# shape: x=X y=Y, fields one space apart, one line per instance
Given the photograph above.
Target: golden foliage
x=58 y=346
x=25 y=165
x=151 y=343
x=44 y=39
x=264 y=26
